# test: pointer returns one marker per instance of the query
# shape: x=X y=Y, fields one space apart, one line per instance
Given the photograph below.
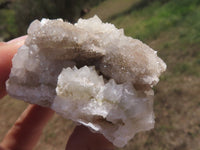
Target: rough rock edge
x=53 y=45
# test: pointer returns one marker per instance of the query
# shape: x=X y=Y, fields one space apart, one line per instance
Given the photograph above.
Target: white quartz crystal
x=115 y=110
x=89 y=72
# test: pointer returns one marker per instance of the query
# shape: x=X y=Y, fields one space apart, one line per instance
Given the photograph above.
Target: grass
x=173 y=28
x=110 y=8
x=7 y=24
x=157 y=17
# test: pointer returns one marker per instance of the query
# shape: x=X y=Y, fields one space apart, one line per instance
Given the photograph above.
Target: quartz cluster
x=89 y=72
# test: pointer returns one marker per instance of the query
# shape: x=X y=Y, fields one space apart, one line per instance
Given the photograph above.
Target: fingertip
x=2 y=43
x=18 y=40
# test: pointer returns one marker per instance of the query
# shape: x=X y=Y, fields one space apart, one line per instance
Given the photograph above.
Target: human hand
x=26 y=131
x=83 y=139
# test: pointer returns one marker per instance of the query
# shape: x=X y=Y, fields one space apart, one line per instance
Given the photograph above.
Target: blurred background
x=172 y=27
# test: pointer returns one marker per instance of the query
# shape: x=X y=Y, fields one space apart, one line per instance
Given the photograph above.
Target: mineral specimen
x=89 y=72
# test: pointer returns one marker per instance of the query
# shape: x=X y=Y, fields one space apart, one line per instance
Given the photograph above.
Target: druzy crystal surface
x=89 y=72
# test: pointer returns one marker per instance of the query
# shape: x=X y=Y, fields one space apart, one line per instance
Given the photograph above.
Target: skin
x=28 y=128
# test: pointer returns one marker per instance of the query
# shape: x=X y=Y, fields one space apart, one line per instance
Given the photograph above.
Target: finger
x=7 y=51
x=1 y=148
x=27 y=129
x=83 y=139
x=17 y=41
